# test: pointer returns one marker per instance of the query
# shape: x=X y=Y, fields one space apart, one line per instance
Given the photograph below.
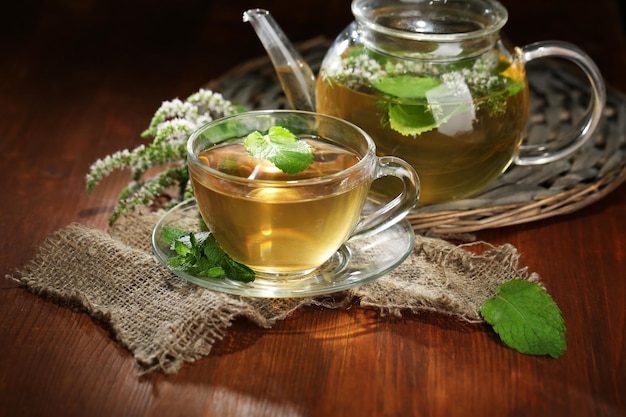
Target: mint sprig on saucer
x=199 y=254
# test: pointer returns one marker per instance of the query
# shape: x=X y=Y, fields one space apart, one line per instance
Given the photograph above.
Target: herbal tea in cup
x=282 y=190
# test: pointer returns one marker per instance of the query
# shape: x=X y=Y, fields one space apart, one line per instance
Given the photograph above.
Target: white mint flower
x=170 y=127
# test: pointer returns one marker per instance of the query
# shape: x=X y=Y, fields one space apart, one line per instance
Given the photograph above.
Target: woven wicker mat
x=559 y=98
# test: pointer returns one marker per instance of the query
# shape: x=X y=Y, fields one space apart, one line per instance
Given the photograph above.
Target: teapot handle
x=546 y=153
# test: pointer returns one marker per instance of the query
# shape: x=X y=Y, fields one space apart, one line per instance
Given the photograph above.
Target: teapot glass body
x=433 y=82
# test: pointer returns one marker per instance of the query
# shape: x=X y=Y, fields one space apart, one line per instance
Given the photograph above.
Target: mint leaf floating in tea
x=526 y=318
x=282 y=148
x=410 y=119
x=423 y=111
x=405 y=86
x=200 y=254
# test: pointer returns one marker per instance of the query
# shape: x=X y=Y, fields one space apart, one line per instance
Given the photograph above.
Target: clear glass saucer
x=355 y=263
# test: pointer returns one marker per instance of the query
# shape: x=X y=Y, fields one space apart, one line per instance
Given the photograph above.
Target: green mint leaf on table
x=200 y=254
x=526 y=318
x=282 y=148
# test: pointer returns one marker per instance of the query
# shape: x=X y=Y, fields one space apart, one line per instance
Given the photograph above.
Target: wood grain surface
x=80 y=80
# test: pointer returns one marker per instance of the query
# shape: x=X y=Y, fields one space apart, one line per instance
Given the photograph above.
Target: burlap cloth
x=165 y=321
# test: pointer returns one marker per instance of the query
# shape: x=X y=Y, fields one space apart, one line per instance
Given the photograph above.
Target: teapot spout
x=294 y=74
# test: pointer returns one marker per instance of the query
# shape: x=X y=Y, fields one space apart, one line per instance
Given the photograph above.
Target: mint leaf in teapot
x=282 y=148
x=410 y=119
x=526 y=318
x=405 y=86
x=425 y=97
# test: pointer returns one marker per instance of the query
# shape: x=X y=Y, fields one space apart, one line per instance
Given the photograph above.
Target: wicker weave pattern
x=522 y=194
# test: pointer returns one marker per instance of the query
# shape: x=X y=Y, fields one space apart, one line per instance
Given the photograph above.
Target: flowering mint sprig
x=170 y=128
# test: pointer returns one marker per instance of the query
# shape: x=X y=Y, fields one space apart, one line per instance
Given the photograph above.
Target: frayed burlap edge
x=165 y=321
x=445 y=278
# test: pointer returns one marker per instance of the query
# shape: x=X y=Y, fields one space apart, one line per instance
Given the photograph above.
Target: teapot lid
x=451 y=22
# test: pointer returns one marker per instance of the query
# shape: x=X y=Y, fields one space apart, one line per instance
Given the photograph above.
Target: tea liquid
x=279 y=228
x=471 y=146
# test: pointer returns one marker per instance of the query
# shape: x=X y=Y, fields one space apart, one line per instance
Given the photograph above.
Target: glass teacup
x=282 y=224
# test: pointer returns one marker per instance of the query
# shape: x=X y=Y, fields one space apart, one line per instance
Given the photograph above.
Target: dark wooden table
x=79 y=80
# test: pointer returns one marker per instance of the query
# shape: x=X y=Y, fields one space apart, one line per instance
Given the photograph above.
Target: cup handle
x=546 y=153
x=396 y=209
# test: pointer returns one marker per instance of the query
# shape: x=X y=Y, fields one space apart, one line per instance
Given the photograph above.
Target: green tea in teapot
x=458 y=124
x=434 y=83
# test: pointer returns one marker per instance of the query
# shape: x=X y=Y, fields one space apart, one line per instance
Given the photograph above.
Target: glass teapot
x=433 y=82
